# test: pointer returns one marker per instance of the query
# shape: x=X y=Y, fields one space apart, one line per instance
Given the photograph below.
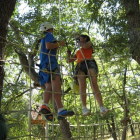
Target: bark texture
x=6 y=11
x=28 y=65
x=65 y=129
x=133 y=17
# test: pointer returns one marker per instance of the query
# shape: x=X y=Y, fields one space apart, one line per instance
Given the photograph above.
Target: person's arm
x=72 y=59
x=86 y=45
x=50 y=45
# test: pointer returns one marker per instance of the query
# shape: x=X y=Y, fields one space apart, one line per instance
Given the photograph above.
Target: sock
x=84 y=107
x=101 y=107
x=60 y=109
x=46 y=104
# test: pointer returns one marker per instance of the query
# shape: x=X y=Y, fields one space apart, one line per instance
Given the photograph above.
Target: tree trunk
x=65 y=129
x=126 y=111
x=112 y=129
x=133 y=17
x=125 y=124
x=132 y=129
x=6 y=11
x=114 y=135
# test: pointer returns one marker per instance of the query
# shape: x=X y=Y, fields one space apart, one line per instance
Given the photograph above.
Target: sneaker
x=46 y=112
x=64 y=113
x=104 y=111
x=86 y=112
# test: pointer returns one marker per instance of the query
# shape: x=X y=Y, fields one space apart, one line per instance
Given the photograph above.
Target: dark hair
x=47 y=30
x=85 y=36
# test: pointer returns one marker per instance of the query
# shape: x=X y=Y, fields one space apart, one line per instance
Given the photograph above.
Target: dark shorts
x=82 y=66
x=45 y=74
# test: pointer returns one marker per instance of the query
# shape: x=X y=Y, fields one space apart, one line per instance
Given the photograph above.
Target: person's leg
x=94 y=86
x=82 y=86
x=47 y=93
x=57 y=96
x=57 y=91
x=45 y=110
x=98 y=96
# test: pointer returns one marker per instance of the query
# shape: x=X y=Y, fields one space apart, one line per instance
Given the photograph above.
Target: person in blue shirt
x=49 y=75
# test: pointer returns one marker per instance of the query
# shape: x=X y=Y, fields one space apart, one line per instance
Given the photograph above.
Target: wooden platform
x=41 y=122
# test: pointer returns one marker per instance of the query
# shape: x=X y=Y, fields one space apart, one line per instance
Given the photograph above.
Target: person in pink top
x=87 y=67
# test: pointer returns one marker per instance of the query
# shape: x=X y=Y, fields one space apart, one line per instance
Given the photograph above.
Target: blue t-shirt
x=45 y=58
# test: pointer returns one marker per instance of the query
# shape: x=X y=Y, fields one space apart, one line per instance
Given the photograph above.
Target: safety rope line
x=52 y=92
x=77 y=116
x=109 y=73
x=60 y=52
x=30 y=104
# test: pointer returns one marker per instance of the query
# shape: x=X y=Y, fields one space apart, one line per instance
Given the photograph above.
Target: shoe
x=64 y=113
x=104 y=111
x=86 y=112
x=46 y=112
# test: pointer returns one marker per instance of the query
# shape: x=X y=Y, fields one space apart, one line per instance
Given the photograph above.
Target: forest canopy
x=113 y=27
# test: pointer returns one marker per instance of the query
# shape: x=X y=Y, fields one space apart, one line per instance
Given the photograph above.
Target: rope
x=77 y=116
x=30 y=104
x=117 y=130
x=78 y=126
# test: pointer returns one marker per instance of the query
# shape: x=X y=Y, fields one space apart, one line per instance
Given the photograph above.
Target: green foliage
x=106 y=24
